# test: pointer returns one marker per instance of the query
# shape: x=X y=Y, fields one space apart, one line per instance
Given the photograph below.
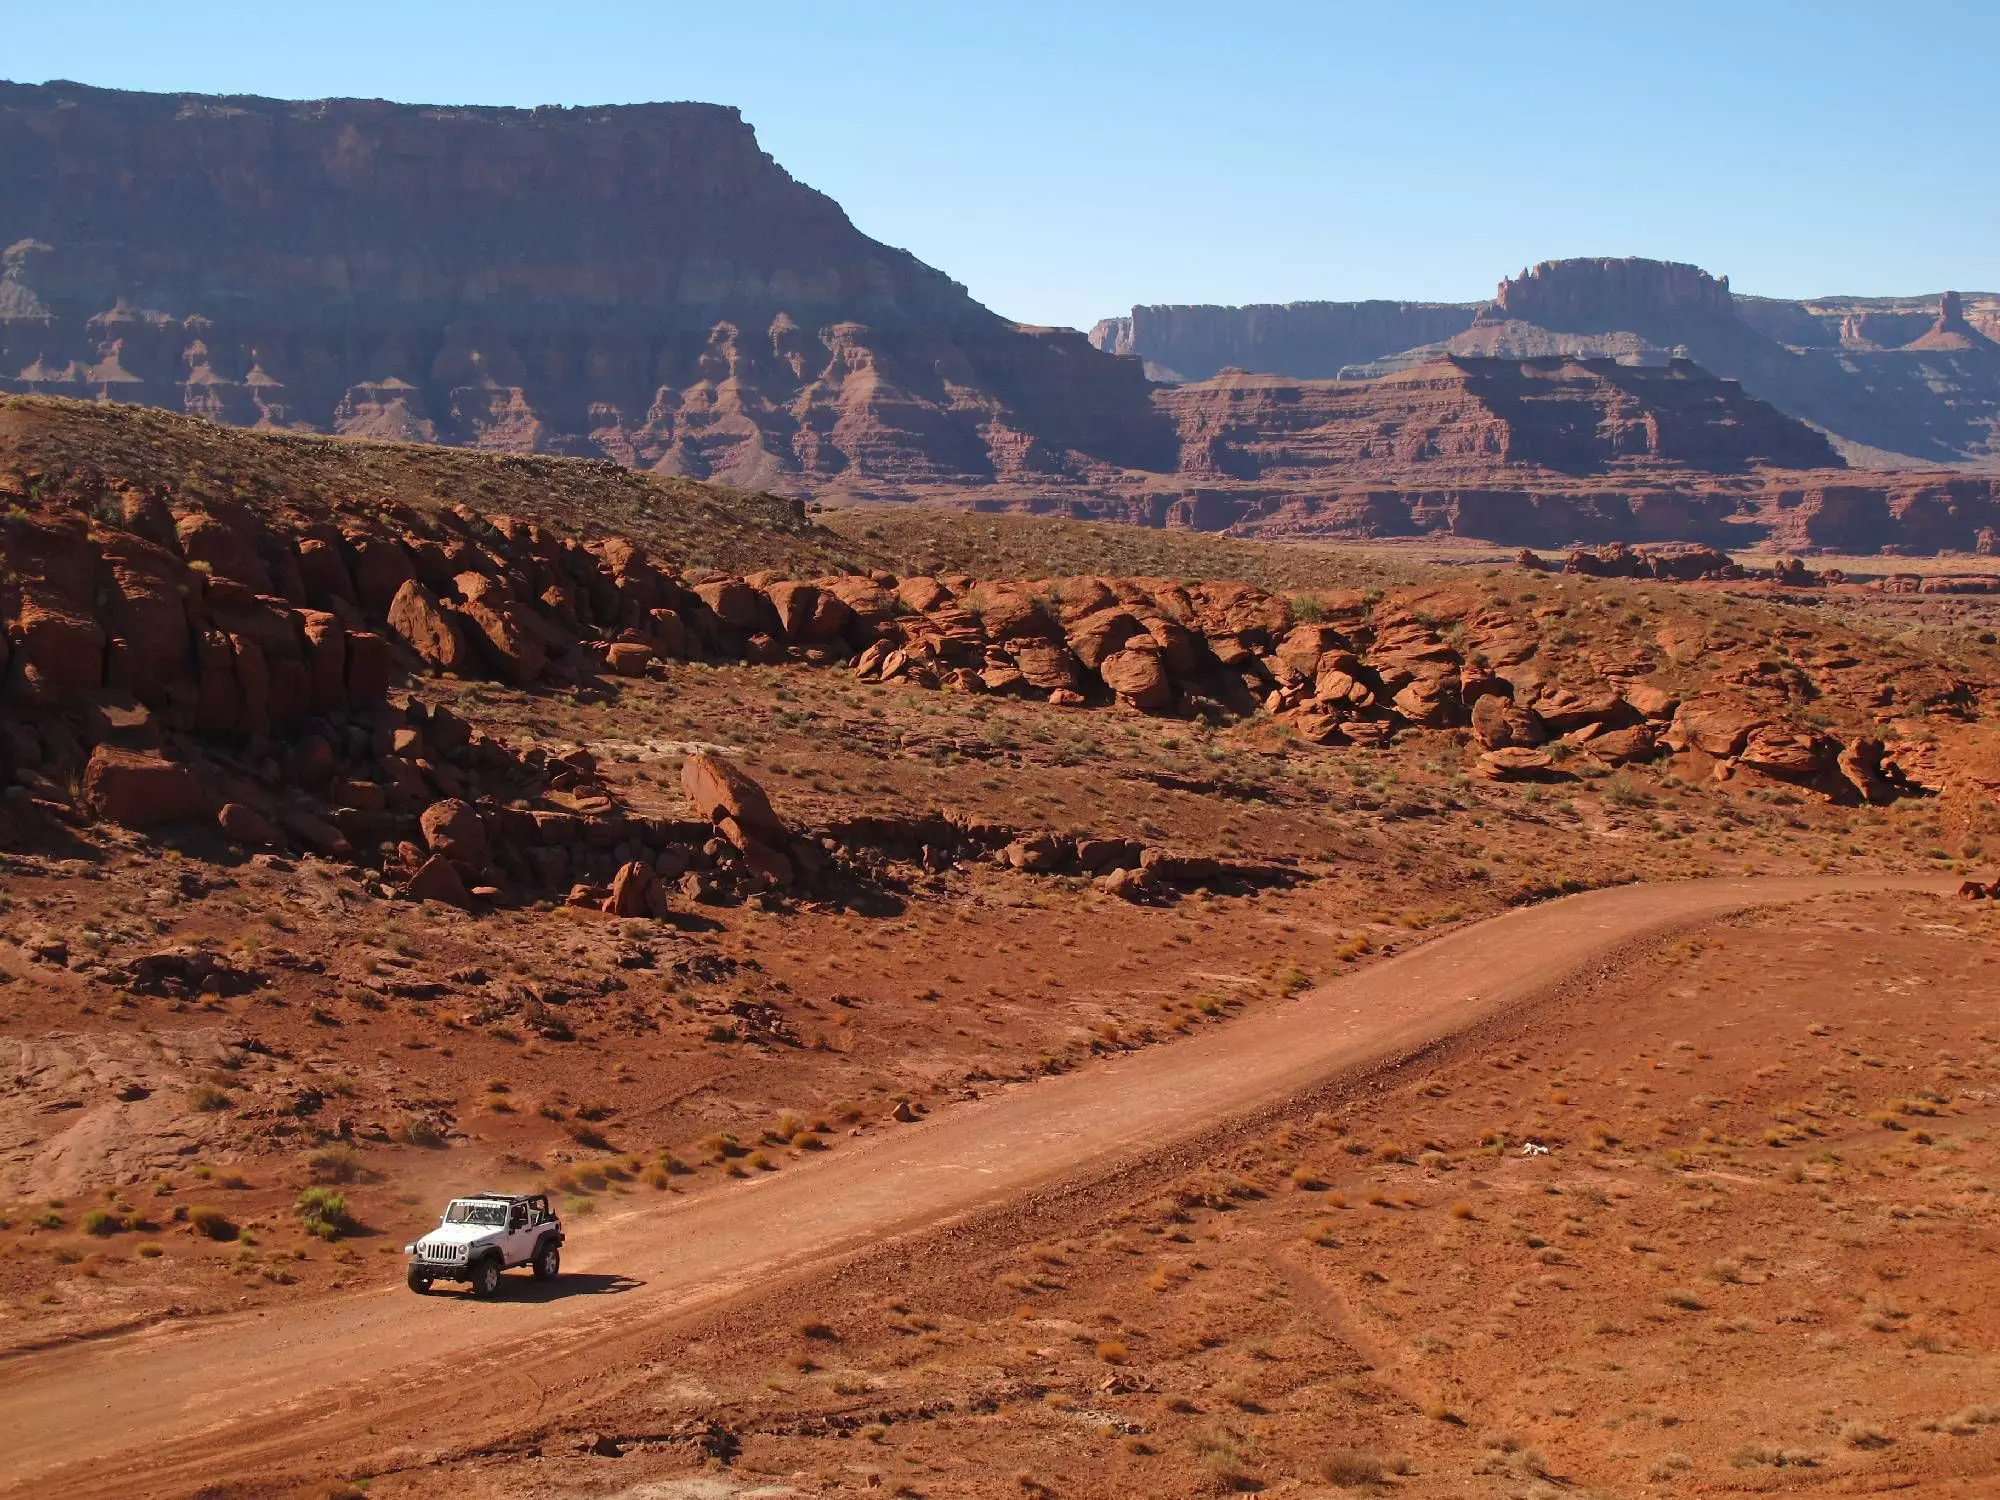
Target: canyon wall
x=1893 y=380
x=1312 y=340
x=1475 y=417
x=639 y=282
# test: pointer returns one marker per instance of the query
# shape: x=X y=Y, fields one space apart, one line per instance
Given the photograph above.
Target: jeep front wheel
x=419 y=1282
x=548 y=1260
x=486 y=1277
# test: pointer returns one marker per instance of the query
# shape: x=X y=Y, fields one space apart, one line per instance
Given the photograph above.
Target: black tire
x=419 y=1282
x=548 y=1260
x=486 y=1277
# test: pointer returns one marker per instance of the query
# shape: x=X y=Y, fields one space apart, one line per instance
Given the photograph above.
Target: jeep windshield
x=494 y=1215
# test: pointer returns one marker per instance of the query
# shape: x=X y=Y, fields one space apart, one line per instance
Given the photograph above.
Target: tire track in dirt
x=376 y=1379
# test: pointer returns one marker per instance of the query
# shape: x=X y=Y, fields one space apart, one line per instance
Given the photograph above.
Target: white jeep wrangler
x=485 y=1234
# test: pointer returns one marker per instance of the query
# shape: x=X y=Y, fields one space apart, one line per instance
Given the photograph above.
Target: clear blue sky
x=1065 y=160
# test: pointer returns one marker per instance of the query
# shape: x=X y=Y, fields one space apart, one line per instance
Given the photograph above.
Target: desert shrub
x=323 y=1212
x=101 y=1222
x=334 y=1164
x=212 y=1222
x=1224 y=1462
x=590 y=1137
x=1350 y=1468
x=1756 y=1455
x=416 y=1131
x=151 y=1250
x=207 y=1098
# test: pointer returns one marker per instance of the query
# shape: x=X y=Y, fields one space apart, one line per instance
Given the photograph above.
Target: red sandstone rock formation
x=1864 y=369
x=640 y=282
x=1951 y=331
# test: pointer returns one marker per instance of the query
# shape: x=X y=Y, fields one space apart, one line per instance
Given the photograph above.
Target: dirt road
x=378 y=1377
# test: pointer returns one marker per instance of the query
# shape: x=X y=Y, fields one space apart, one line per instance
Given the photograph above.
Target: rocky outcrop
x=1952 y=331
x=641 y=283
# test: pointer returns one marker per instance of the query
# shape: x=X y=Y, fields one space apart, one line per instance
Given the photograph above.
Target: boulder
x=629 y=890
x=1126 y=885
x=225 y=546
x=1094 y=856
x=1651 y=701
x=437 y=879
x=1011 y=612
x=733 y=602
x=1340 y=680
x=719 y=789
x=324 y=573
x=141 y=791
x=772 y=869
x=922 y=595
x=868 y=665
x=1038 y=853
x=1176 y=643
x=1430 y=700
x=628 y=658
x=1564 y=709
x=1516 y=763
x=453 y=829
x=1499 y=724
x=243 y=824
x=1297 y=656
x=1139 y=679
x=1049 y=667
x=1617 y=747
x=314 y=832
x=1787 y=752
x=1317 y=723
x=499 y=630
x=1099 y=634
x=380 y=570
x=1161 y=865
x=1719 y=729
x=415 y=618
x=58 y=654
x=1860 y=766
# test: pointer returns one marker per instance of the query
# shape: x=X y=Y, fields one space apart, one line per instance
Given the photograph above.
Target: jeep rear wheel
x=486 y=1277
x=419 y=1282
x=548 y=1260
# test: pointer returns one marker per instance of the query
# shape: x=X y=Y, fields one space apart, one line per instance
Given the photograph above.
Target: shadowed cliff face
x=637 y=282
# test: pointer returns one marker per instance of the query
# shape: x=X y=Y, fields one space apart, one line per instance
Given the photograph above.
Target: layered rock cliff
x=1311 y=340
x=638 y=282
x=1473 y=416
x=1893 y=380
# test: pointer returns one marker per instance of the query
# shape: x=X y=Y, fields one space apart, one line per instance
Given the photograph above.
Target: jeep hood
x=459 y=1234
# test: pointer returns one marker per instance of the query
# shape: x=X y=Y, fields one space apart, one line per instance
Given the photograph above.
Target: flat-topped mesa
x=1611 y=293
x=1314 y=340
x=641 y=282
x=1487 y=420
